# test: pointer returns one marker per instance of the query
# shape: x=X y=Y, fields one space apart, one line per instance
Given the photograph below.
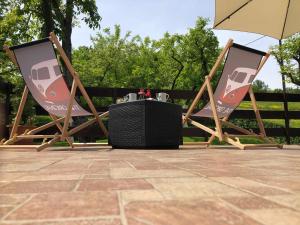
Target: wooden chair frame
x=61 y=123
x=232 y=139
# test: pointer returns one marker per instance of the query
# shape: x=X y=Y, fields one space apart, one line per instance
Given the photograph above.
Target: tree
x=17 y=25
x=260 y=86
x=202 y=50
x=60 y=16
x=178 y=61
x=288 y=58
x=31 y=19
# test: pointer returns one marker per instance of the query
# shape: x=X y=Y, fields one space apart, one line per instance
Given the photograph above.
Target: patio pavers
x=142 y=187
x=68 y=205
x=188 y=212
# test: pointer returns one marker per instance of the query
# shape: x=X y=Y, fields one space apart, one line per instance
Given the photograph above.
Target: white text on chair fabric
x=42 y=74
x=239 y=71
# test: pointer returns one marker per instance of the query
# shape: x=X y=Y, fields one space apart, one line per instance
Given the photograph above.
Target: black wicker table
x=145 y=124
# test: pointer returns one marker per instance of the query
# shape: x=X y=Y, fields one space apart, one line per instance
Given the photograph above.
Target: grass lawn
x=293 y=106
x=270 y=105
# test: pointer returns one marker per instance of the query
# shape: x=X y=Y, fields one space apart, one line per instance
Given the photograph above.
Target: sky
x=155 y=17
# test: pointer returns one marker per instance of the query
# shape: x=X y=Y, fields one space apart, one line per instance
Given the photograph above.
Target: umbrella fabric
x=275 y=18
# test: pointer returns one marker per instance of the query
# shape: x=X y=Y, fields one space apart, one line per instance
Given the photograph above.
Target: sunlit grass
x=270 y=105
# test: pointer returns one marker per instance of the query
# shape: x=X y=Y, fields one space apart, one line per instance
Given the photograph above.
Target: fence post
x=8 y=92
x=286 y=111
x=115 y=95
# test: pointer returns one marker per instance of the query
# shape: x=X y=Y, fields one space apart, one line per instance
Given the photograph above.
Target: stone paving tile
x=292 y=201
x=140 y=195
x=241 y=171
x=99 y=175
x=119 y=164
x=4 y=210
x=192 y=188
x=72 y=222
x=67 y=167
x=132 y=173
x=275 y=216
x=5 y=176
x=21 y=167
x=265 y=191
x=211 y=172
x=116 y=184
x=12 y=200
x=100 y=171
x=67 y=205
x=105 y=187
x=2 y=183
x=37 y=186
x=238 y=181
x=184 y=213
x=252 y=186
x=68 y=171
x=287 y=182
x=99 y=164
x=151 y=165
x=191 y=165
x=40 y=177
x=252 y=202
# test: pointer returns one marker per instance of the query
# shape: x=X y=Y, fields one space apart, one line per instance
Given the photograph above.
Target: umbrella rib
x=287 y=11
x=235 y=11
x=254 y=40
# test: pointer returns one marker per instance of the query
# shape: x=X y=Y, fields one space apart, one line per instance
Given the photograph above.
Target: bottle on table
x=141 y=94
x=148 y=93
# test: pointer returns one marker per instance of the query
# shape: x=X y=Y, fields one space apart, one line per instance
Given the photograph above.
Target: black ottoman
x=145 y=124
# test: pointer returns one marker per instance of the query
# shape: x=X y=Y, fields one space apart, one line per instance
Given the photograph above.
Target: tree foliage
x=25 y=20
x=260 y=86
x=288 y=58
x=178 y=61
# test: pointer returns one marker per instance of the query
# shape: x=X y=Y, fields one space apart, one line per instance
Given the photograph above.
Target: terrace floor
x=139 y=187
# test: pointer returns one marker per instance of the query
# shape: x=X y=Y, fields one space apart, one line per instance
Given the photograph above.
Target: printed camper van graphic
x=237 y=84
x=47 y=78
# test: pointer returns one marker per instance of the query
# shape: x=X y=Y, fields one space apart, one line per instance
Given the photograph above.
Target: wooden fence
x=286 y=132
x=5 y=111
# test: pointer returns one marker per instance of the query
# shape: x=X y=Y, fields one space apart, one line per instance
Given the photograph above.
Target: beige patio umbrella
x=275 y=18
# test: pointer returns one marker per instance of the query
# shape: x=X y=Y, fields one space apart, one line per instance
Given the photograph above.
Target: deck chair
x=241 y=67
x=43 y=78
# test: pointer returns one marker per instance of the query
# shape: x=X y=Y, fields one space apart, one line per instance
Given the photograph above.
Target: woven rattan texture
x=145 y=124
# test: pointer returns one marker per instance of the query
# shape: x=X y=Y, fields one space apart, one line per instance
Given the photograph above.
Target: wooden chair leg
x=76 y=79
x=47 y=144
x=59 y=126
x=11 y=140
x=19 y=113
x=2 y=141
x=214 y=110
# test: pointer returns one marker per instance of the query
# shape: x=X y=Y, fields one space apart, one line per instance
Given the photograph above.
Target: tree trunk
x=66 y=37
x=285 y=102
x=48 y=23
